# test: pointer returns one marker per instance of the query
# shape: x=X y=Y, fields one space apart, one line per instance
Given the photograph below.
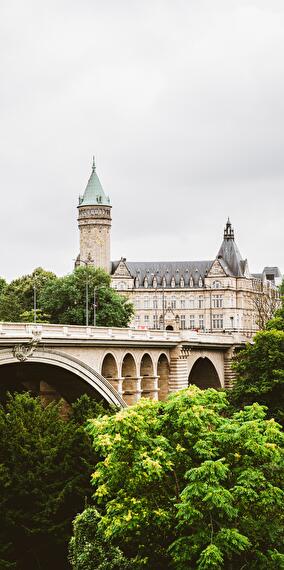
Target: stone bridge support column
x=178 y=377
x=131 y=389
x=229 y=373
x=150 y=387
x=116 y=384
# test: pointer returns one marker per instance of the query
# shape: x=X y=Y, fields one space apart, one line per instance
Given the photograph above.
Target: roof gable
x=121 y=269
x=217 y=269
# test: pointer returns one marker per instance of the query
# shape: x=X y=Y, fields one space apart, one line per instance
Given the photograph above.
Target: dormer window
x=137 y=282
x=164 y=283
x=173 y=283
x=200 y=283
x=145 y=282
x=190 y=282
x=181 y=282
x=155 y=282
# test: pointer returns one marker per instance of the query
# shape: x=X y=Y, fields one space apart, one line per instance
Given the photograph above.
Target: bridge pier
x=229 y=373
x=178 y=377
x=149 y=387
x=131 y=392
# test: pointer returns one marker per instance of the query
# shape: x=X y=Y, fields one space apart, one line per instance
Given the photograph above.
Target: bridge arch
x=163 y=372
x=149 y=385
x=204 y=374
x=72 y=365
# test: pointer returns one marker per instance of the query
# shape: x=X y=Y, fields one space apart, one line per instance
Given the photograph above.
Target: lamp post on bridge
x=86 y=263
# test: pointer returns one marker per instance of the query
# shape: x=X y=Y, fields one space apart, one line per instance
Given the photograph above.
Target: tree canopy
x=63 y=299
x=17 y=297
x=260 y=370
x=183 y=485
x=45 y=468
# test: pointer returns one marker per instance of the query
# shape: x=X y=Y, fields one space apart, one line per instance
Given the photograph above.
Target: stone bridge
x=115 y=364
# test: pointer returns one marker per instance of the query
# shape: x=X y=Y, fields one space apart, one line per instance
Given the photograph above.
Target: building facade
x=211 y=295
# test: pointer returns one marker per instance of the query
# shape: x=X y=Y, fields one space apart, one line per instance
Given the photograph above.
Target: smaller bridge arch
x=204 y=374
x=131 y=382
x=149 y=380
x=109 y=370
x=163 y=372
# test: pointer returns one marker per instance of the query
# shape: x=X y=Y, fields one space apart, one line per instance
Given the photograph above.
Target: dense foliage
x=45 y=468
x=183 y=485
x=17 y=297
x=63 y=299
x=260 y=370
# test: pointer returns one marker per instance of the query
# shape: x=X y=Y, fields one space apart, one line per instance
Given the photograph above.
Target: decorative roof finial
x=94 y=164
x=228 y=231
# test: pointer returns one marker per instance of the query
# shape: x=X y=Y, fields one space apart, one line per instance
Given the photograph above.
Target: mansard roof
x=228 y=258
x=94 y=193
x=167 y=269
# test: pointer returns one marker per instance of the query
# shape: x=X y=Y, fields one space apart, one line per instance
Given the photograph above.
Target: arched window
x=216 y=285
x=137 y=282
x=200 y=282
x=190 y=282
x=121 y=286
x=181 y=282
x=164 y=283
x=146 y=282
x=173 y=283
x=155 y=282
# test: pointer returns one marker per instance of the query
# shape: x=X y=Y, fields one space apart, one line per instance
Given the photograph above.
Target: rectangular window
x=137 y=320
x=201 y=322
x=200 y=302
x=182 y=322
x=146 y=319
x=146 y=303
x=155 y=303
x=217 y=301
x=155 y=321
x=173 y=304
x=217 y=321
x=182 y=303
x=137 y=303
x=191 y=321
x=191 y=303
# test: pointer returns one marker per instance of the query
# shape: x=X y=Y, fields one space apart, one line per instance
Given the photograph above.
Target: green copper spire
x=94 y=193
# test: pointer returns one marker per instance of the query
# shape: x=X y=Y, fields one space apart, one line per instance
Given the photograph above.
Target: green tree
x=183 y=485
x=260 y=369
x=3 y=285
x=17 y=297
x=45 y=468
x=64 y=299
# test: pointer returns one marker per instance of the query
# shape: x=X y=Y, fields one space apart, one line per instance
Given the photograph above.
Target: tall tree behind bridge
x=63 y=299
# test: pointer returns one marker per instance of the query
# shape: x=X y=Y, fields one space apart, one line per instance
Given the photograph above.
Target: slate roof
x=230 y=254
x=167 y=269
x=272 y=271
x=94 y=193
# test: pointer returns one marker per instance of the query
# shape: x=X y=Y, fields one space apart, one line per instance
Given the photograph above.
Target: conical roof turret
x=94 y=193
x=229 y=252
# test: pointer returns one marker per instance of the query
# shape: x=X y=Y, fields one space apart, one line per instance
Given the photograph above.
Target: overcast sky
x=182 y=103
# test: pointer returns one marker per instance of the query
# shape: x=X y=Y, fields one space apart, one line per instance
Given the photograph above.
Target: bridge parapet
x=25 y=331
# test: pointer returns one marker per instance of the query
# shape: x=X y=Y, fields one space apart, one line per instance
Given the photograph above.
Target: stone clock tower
x=94 y=224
